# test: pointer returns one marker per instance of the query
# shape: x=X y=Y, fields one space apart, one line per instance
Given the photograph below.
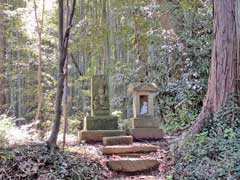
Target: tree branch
x=76 y=65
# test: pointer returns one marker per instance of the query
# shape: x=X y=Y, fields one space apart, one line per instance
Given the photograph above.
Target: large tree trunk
x=224 y=78
x=3 y=44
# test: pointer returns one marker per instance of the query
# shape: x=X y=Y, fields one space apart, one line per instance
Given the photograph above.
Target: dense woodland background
x=113 y=37
x=170 y=40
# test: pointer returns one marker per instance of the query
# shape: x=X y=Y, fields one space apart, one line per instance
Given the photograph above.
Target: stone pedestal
x=147 y=133
x=97 y=135
x=100 y=123
x=117 y=140
x=145 y=121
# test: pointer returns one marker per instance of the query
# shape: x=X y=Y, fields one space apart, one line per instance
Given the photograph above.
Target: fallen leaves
x=36 y=162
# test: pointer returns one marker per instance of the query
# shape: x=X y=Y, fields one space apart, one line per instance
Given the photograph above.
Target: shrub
x=5 y=124
x=76 y=122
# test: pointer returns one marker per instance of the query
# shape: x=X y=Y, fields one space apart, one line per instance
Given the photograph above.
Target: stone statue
x=100 y=101
x=144 y=108
x=99 y=96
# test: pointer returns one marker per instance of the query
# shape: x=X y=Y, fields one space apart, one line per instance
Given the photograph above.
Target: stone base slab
x=147 y=133
x=97 y=135
x=145 y=122
x=132 y=165
x=100 y=122
x=117 y=140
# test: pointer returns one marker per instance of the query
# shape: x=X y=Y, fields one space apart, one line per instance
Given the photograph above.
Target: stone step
x=117 y=140
x=129 y=165
x=132 y=155
x=97 y=135
x=147 y=133
x=129 y=149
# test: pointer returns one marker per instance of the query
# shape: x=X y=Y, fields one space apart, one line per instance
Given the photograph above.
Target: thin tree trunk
x=166 y=18
x=137 y=40
x=39 y=73
x=65 y=104
x=65 y=92
x=3 y=46
x=63 y=51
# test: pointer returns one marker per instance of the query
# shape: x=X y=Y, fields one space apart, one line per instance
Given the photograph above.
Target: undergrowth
x=213 y=154
x=37 y=162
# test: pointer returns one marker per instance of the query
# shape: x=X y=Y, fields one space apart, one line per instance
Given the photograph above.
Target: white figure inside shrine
x=144 y=108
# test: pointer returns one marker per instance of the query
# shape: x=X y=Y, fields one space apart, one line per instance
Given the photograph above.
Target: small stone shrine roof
x=147 y=87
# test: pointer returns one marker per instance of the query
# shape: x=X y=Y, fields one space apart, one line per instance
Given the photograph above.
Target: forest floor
x=29 y=158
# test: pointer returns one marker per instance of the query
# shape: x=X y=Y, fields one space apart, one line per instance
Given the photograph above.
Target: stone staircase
x=127 y=157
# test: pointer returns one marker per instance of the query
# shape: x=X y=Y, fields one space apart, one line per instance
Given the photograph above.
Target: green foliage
x=214 y=154
x=177 y=61
x=21 y=60
x=112 y=37
x=169 y=178
x=179 y=105
x=184 y=76
x=124 y=124
x=178 y=120
x=190 y=4
x=75 y=123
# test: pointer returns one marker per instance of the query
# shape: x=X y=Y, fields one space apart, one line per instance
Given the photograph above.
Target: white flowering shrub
x=5 y=124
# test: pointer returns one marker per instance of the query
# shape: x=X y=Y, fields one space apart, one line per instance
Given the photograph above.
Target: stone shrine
x=144 y=123
x=100 y=123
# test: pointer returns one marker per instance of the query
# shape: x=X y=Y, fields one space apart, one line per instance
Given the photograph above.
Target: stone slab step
x=132 y=155
x=132 y=165
x=117 y=140
x=129 y=149
x=147 y=133
x=97 y=135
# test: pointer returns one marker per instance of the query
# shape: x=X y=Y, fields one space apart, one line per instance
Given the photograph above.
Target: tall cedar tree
x=224 y=77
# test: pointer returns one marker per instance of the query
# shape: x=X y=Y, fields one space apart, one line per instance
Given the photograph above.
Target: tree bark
x=3 y=44
x=63 y=51
x=224 y=78
x=65 y=92
x=166 y=18
x=65 y=104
